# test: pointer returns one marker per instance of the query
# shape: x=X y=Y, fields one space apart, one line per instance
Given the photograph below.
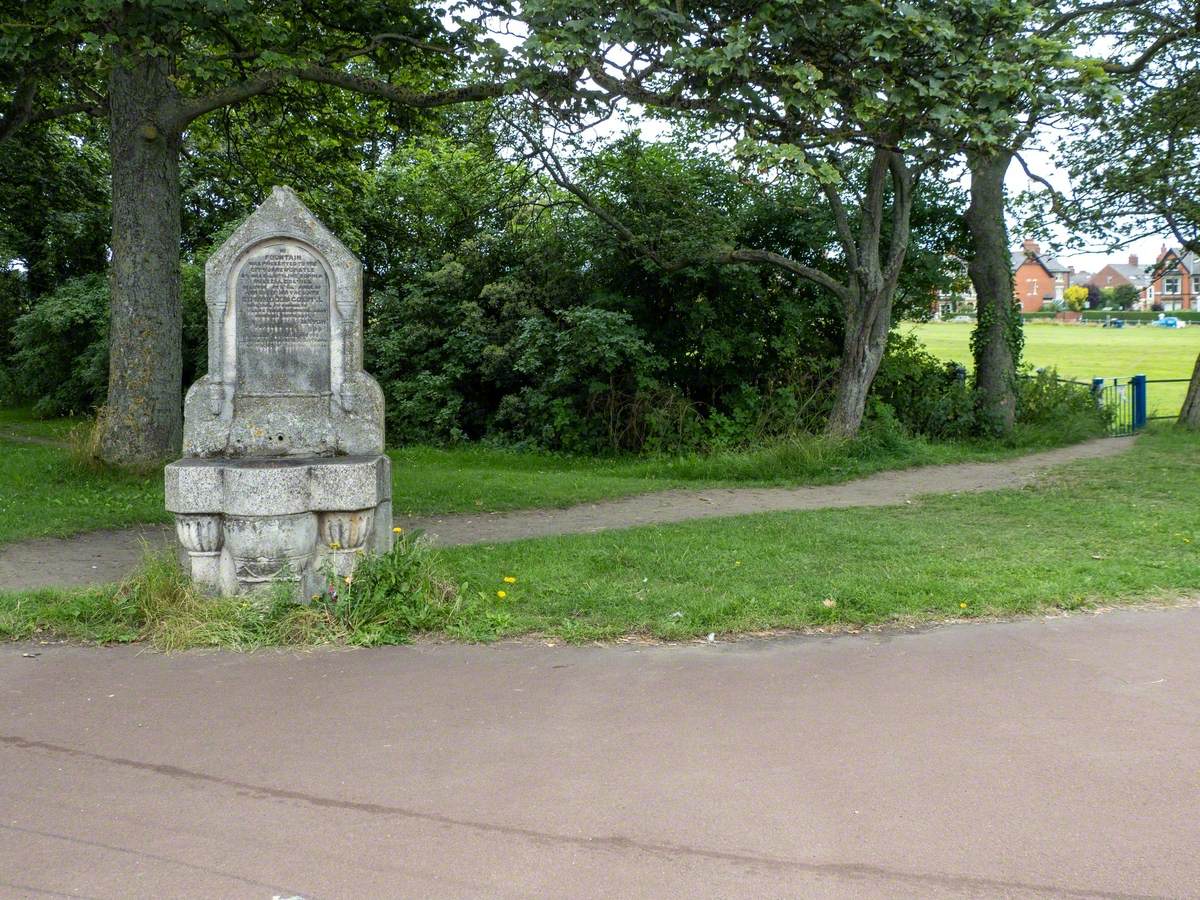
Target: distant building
x=1175 y=278
x=1038 y=279
x=1115 y=274
x=959 y=299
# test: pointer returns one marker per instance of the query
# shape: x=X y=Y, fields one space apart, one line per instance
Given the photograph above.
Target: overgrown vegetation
x=1064 y=545
x=389 y=598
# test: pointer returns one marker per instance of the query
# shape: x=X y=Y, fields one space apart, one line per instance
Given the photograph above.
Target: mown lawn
x=1090 y=351
x=431 y=480
x=1104 y=531
x=44 y=491
x=1100 y=532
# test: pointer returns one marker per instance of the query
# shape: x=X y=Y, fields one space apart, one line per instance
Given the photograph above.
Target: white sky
x=1097 y=254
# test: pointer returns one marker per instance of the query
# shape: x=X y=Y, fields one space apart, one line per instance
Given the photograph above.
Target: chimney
x=1133 y=259
x=1030 y=246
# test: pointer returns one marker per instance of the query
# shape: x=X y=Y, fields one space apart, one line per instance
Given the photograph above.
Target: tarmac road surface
x=1046 y=757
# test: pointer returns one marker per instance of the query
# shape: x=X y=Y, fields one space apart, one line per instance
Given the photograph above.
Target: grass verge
x=1099 y=533
x=390 y=598
x=432 y=481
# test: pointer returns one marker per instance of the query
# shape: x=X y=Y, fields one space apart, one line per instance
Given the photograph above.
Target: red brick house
x=1175 y=278
x=1037 y=278
x=1116 y=274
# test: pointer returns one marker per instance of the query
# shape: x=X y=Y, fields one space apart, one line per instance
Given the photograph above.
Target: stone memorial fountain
x=283 y=475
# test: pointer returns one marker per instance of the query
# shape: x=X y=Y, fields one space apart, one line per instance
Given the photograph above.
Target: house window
x=1171 y=284
x=1033 y=287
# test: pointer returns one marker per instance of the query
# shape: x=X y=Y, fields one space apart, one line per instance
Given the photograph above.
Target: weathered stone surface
x=283 y=474
x=285 y=373
x=245 y=487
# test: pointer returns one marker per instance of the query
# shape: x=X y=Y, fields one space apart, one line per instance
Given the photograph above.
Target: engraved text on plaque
x=282 y=323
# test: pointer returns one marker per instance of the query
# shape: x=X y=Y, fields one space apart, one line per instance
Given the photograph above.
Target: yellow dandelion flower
x=962 y=606
x=501 y=594
x=509 y=579
x=335 y=546
x=349 y=578
x=397 y=530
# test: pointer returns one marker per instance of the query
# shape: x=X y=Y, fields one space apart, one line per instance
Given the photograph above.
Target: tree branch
x=816 y=276
x=21 y=112
x=268 y=80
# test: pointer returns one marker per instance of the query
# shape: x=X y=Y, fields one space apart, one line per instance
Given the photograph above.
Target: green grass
x=1101 y=532
x=392 y=597
x=1086 y=352
x=22 y=423
x=428 y=480
x=44 y=491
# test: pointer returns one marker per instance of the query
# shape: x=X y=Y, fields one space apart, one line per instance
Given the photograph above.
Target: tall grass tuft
x=390 y=598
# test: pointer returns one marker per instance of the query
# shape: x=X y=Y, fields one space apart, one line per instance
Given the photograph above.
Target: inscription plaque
x=282 y=299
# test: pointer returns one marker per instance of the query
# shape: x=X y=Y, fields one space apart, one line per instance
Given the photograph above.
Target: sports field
x=1090 y=351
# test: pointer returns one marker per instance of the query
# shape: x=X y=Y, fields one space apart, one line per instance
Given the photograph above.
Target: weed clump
x=390 y=598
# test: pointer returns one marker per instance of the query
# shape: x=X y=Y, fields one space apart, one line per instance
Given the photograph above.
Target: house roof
x=1191 y=262
x=1049 y=263
x=1137 y=275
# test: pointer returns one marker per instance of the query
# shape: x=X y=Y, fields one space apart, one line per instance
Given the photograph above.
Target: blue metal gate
x=1125 y=401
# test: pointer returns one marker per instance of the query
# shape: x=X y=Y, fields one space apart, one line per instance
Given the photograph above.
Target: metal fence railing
x=1174 y=415
x=1125 y=399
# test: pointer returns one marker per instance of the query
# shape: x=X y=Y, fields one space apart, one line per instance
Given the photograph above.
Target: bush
x=927 y=396
x=60 y=364
x=1046 y=402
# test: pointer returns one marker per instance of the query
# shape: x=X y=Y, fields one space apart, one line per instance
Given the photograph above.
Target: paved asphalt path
x=1048 y=757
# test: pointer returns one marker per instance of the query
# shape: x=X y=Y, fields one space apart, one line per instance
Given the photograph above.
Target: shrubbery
x=59 y=361
x=513 y=316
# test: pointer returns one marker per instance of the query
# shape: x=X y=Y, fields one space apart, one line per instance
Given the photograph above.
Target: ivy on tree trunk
x=997 y=340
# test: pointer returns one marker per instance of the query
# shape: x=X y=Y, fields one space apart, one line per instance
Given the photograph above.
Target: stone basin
x=248 y=522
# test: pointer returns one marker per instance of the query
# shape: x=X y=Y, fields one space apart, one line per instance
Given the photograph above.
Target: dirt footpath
x=881 y=489
x=102 y=556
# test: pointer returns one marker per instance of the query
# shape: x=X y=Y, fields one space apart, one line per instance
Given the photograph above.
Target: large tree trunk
x=1189 y=416
x=997 y=339
x=867 y=326
x=872 y=284
x=142 y=423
